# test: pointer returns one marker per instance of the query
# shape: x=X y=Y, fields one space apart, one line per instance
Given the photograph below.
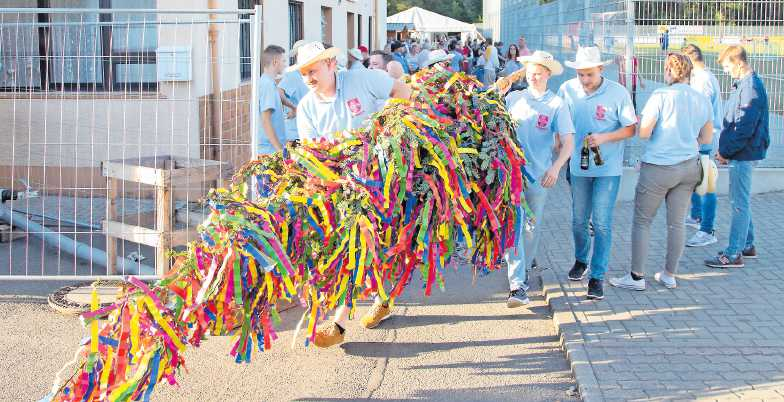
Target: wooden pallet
x=163 y=173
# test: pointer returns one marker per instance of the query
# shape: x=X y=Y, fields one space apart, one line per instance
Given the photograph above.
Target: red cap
x=363 y=48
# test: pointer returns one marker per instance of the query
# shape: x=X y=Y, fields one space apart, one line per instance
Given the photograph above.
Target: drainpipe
x=215 y=138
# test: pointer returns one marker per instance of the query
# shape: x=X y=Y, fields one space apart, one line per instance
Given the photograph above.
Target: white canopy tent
x=422 y=21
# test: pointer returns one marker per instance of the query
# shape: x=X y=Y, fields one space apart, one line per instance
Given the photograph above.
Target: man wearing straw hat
x=439 y=57
x=543 y=121
x=295 y=89
x=604 y=117
x=338 y=101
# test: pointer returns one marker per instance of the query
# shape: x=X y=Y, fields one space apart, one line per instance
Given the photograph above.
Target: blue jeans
x=741 y=229
x=594 y=198
x=704 y=207
x=519 y=258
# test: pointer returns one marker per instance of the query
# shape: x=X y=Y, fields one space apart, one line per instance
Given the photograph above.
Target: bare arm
x=287 y=103
x=706 y=133
x=594 y=140
x=566 y=147
x=400 y=90
x=266 y=122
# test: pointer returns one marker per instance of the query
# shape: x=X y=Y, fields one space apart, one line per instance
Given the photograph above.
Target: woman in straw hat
x=338 y=101
x=541 y=116
x=675 y=120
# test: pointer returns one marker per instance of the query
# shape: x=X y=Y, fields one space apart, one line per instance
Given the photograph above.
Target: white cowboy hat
x=545 y=59
x=355 y=53
x=710 y=174
x=313 y=52
x=587 y=57
x=296 y=46
x=437 y=56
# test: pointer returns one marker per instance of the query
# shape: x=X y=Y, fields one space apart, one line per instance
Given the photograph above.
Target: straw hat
x=544 y=59
x=587 y=57
x=437 y=56
x=311 y=53
x=710 y=174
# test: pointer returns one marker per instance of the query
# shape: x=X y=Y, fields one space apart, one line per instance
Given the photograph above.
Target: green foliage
x=463 y=10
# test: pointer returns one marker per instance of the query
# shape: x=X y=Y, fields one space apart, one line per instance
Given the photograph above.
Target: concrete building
x=81 y=87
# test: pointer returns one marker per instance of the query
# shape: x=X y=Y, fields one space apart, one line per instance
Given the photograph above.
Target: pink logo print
x=601 y=112
x=542 y=121
x=355 y=106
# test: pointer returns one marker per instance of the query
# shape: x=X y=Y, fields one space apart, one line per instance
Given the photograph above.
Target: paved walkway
x=464 y=344
x=719 y=335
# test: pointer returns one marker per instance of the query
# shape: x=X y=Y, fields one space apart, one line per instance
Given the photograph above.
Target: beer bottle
x=597 y=156
x=584 y=156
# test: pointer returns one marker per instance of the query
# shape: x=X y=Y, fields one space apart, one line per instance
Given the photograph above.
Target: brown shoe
x=377 y=313
x=328 y=335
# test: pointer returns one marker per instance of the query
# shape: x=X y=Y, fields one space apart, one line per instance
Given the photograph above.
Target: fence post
x=629 y=62
x=255 y=74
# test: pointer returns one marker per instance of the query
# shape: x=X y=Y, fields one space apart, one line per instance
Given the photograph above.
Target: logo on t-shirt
x=542 y=121
x=355 y=106
x=601 y=112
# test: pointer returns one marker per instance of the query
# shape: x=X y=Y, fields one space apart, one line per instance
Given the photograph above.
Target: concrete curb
x=571 y=337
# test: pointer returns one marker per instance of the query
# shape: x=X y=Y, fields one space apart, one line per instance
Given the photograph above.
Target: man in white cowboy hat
x=438 y=56
x=295 y=89
x=604 y=117
x=355 y=59
x=543 y=121
x=337 y=101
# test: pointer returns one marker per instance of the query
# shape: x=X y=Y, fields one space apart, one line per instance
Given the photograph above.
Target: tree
x=464 y=10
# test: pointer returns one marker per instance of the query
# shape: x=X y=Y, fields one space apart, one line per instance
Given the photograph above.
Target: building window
x=350 y=30
x=326 y=25
x=245 y=39
x=370 y=33
x=296 y=23
x=359 y=30
x=79 y=51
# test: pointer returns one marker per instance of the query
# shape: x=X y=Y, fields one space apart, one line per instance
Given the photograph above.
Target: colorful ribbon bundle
x=329 y=223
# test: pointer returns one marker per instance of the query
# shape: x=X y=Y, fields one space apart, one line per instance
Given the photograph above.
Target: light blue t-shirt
x=680 y=112
x=269 y=99
x=456 y=61
x=704 y=82
x=538 y=121
x=357 y=97
x=357 y=65
x=294 y=87
x=606 y=110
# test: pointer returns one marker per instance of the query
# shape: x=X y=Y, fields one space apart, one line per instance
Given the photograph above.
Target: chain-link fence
x=116 y=122
x=655 y=28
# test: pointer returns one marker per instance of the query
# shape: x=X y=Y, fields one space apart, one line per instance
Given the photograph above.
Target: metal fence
x=641 y=32
x=116 y=122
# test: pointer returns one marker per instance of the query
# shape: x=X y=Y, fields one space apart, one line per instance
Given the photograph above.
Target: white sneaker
x=692 y=223
x=627 y=282
x=701 y=239
x=667 y=280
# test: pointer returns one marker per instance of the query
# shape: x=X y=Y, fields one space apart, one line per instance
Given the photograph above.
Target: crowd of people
x=579 y=128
